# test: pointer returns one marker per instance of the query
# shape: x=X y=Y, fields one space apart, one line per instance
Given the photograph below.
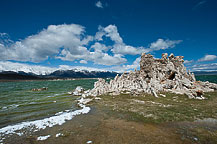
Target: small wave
x=13 y=106
x=42 y=124
x=32 y=103
x=54 y=95
x=38 y=103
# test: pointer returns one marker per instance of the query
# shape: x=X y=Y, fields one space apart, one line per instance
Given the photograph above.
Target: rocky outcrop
x=78 y=91
x=167 y=74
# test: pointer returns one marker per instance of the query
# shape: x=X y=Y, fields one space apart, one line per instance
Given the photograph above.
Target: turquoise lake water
x=210 y=78
x=19 y=103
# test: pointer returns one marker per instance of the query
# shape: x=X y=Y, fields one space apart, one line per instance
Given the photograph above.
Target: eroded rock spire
x=167 y=74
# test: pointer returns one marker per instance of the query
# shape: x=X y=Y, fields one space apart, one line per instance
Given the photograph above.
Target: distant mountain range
x=10 y=75
x=59 y=74
x=74 y=73
x=82 y=74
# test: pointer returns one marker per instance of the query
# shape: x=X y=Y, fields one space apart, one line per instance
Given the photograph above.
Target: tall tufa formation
x=167 y=74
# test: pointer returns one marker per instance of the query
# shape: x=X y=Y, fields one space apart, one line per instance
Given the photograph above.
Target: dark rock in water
x=167 y=74
x=40 y=89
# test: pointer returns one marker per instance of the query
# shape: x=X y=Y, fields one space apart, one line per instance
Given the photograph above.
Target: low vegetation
x=192 y=119
x=147 y=108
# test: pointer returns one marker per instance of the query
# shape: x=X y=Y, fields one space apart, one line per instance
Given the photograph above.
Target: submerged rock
x=167 y=74
x=40 y=89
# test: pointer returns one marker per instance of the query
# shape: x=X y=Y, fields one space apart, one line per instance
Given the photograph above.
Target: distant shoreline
x=57 y=79
x=61 y=79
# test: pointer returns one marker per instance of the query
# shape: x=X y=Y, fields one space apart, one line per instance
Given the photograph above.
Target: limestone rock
x=78 y=91
x=167 y=74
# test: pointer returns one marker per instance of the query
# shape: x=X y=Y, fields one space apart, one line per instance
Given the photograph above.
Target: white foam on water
x=59 y=113
x=13 y=106
x=55 y=95
x=43 y=137
x=43 y=123
x=33 y=103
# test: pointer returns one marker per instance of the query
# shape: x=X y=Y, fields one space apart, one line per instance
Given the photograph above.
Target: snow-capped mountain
x=16 y=67
x=82 y=74
x=41 y=70
x=14 y=71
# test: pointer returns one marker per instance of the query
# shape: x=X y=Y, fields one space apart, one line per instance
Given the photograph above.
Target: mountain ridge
x=73 y=73
x=58 y=74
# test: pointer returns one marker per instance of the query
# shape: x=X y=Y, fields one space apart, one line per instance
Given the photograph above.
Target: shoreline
x=46 y=79
x=28 y=127
x=99 y=126
x=128 y=119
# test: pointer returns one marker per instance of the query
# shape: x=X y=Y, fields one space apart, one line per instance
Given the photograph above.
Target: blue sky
x=106 y=34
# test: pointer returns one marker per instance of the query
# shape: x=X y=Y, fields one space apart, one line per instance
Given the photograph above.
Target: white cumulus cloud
x=163 y=44
x=204 y=67
x=65 y=42
x=120 y=47
x=126 y=49
x=134 y=65
x=69 y=42
x=99 y=4
x=100 y=47
x=208 y=58
x=188 y=61
x=46 y=43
